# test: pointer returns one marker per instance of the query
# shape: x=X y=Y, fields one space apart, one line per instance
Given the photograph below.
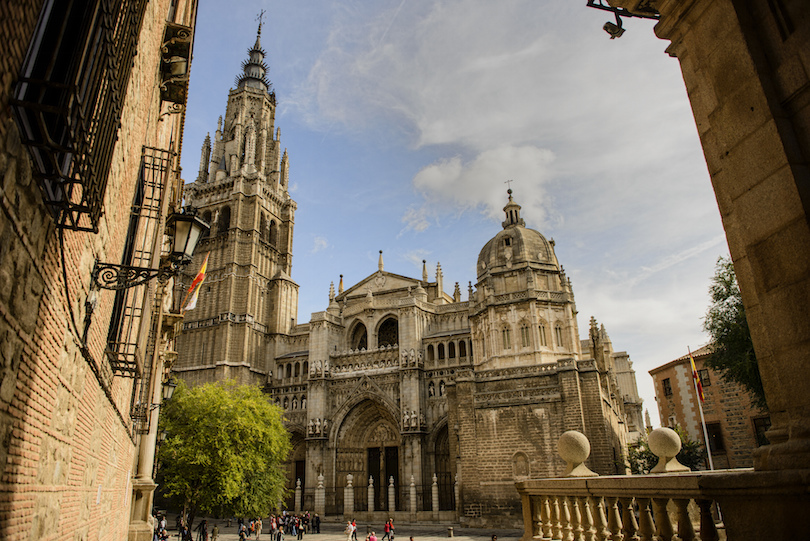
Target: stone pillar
x=348 y=497
x=320 y=497
x=298 y=492
x=413 y=499
x=370 y=494
x=434 y=492
x=392 y=495
x=457 y=490
x=742 y=75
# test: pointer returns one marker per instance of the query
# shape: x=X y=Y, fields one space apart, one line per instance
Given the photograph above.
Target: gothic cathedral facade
x=400 y=398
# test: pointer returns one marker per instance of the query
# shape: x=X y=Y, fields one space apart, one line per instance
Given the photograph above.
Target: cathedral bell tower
x=248 y=296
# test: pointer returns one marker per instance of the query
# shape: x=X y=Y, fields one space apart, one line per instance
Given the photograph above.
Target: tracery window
x=224 y=220
x=506 y=336
x=441 y=351
x=273 y=234
x=462 y=348
x=359 y=337
x=524 y=336
x=451 y=350
x=558 y=335
x=543 y=339
x=388 y=335
x=430 y=353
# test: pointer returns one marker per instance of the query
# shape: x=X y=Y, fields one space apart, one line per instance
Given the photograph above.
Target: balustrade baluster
x=708 y=531
x=663 y=526
x=556 y=526
x=646 y=527
x=630 y=526
x=576 y=518
x=547 y=518
x=686 y=532
x=536 y=503
x=602 y=529
x=615 y=520
x=588 y=520
x=567 y=526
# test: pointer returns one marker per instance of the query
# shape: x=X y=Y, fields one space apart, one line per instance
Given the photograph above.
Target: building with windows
x=734 y=425
x=397 y=388
x=92 y=96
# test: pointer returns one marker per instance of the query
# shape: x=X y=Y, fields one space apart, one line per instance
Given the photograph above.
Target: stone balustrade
x=674 y=504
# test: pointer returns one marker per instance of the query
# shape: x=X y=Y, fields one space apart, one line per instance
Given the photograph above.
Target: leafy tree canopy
x=733 y=351
x=224 y=449
x=642 y=460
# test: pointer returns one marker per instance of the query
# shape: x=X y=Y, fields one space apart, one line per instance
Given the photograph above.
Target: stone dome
x=515 y=246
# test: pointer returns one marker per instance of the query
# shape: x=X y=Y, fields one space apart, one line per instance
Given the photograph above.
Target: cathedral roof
x=515 y=245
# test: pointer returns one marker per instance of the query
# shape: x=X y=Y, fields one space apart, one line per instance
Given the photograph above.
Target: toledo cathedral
x=402 y=400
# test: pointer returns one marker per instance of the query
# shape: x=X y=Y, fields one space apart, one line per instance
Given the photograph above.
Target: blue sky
x=404 y=118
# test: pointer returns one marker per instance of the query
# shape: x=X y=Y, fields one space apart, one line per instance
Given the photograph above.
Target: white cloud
x=319 y=244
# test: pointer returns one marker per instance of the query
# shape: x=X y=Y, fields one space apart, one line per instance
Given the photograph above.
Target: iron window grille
x=141 y=249
x=68 y=100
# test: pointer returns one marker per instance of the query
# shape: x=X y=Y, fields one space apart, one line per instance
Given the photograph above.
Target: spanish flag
x=695 y=376
x=194 y=290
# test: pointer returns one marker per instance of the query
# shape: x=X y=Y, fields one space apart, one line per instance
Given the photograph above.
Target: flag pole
x=700 y=407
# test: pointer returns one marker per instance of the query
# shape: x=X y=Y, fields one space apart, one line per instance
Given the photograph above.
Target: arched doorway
x=444 y=475
x=367 y=445
x=296 y=467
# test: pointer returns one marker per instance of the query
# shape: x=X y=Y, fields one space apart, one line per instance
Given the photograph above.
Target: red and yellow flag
x=697 y=379
x=196 y=284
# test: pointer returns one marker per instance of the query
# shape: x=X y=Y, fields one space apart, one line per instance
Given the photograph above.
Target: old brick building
x=735 y=426
x=92 y=97
x=396 y=384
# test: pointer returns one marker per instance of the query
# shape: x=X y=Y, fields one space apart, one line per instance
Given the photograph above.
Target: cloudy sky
x=404 y=118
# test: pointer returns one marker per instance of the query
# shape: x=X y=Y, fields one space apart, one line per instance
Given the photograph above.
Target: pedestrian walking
x=316 y=523
x=354 y=530
x=387 y=531
x=391 y=528
x=258 y=525
x=214 y=532
x=280 y=534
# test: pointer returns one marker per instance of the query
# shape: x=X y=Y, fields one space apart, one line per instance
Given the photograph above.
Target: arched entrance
x=444 y=475
x=367 y=445
x=296 y=467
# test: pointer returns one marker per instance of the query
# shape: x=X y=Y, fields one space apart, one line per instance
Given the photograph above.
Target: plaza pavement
x=333 y=531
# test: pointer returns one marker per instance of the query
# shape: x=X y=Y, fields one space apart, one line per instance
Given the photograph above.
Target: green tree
x=642 y=460
x=224 y=449
x=732 y=349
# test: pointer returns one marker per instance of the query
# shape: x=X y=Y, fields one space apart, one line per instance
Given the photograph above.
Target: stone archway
x=368 y=443
x=296 y=466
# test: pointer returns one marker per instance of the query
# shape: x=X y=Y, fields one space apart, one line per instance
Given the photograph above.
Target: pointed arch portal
x=367 y=445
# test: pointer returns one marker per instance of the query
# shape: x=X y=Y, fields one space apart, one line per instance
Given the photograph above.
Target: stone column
x=370 y=494
x=298 y=492
x=434 y=492
x=457 y=490
x=320 y=497
x=413 y=499
x=348 y=497
x=392 y=495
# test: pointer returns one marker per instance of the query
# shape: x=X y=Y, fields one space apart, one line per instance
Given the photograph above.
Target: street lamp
x=186 y=230
x=168 y=389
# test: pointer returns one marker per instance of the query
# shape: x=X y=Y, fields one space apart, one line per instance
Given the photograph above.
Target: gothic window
x=506 y=336
x=224 y=220
x=262 y=226
x=451 y=350
x=543 y=339
x=273 y=234
x=297 y=370
x=289 y=370
x=441 y=351
x=430 y=354
x=359 y=337
x=715 y=432
x=558 y=335
x=705 y=380
x=524 y=336
x=388 y=335
x=462 y=348
x=306 y=370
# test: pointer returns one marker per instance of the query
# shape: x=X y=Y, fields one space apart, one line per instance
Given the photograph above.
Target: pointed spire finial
x=424 y=271
x=380 y=262
x=340 y=287
x=260 y=18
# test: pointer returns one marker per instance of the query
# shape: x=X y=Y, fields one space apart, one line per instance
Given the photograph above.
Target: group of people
x=388 y=531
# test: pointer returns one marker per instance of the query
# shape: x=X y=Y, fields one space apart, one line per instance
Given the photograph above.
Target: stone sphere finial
x=575 y=448
x=666 y=444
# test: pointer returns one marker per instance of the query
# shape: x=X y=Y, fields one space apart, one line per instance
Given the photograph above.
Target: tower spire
x=512 y=211
x=254 y=70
